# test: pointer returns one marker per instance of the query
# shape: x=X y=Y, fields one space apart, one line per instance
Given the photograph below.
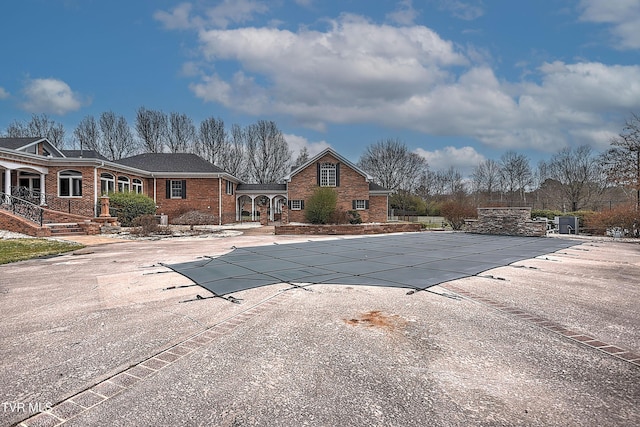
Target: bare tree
x=212 y=141
x=392 y=165
x=578 y=172
x=452 y=183
x=116 y=137
x=87 y=134
x=303 y=157
x=182 y=133
x=621 y=163
x=268 y=155
x=486 y=178
x=151 y=126
x=233 y=159
x=40 y=125
x=516 y=175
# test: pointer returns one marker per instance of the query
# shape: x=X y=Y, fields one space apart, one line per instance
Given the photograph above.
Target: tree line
x=572 y=179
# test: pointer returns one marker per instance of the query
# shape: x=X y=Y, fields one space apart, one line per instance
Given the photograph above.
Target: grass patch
x=12 y=250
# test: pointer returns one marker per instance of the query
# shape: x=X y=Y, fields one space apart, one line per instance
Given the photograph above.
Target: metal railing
x=53 y=202
x=22 y=207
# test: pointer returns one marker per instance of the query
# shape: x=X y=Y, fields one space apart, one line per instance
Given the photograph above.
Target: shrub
x=354 y=217
x=130 y=206
x=339 y=216
x=545 y=213
x=455 y=213
x=195 y=218
x=321 y=206
x=625 y=218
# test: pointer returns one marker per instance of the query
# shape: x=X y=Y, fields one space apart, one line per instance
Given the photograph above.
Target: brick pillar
x=264 y=216
x=284 y=216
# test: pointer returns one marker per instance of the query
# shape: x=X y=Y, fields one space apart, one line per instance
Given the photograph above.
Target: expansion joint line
x=118 y=383
x=587 y=340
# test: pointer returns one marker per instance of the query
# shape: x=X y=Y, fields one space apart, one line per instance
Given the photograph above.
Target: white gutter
x=219 y=201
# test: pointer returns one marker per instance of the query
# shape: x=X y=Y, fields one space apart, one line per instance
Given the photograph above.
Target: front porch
x=252 y=196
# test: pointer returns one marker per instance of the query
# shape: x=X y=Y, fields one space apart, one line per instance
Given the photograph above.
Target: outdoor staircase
x=65 y=229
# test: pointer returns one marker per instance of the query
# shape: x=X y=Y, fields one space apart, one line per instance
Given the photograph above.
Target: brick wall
x=202 y=195
x=506 y=221
x=353 y=186
x=347 y=229
x=17 y=224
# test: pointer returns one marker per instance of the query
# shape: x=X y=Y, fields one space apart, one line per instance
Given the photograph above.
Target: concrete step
x=65 y=229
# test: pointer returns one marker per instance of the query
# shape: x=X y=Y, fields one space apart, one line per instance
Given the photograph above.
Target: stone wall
x=506 y=221
x=348 y=229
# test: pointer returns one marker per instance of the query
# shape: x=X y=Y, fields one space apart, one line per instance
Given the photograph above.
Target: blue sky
x=458 y=81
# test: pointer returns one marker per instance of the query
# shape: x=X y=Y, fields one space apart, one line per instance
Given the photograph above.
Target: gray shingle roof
x=170 y=162
x=15 y=143
x=262 y=187
x=375 y=187
x=85 y=154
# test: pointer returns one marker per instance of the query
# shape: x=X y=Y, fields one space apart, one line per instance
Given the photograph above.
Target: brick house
x=354 y=187
x=72 y=181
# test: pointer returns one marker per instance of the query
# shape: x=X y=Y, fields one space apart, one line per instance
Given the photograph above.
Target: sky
x=457 y=81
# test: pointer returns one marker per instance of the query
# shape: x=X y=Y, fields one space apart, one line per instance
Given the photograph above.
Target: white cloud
x=3 y=93
x=347 y=74
x=50 y=96
x=220 y=16
x=466 y=10
x=405 y=14
x=463 y=159
x=178 y=19
x=296 y=143
x=408 y=77
x=622 y=15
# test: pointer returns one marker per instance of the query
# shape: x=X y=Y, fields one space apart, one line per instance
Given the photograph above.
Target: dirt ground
x=95 y=337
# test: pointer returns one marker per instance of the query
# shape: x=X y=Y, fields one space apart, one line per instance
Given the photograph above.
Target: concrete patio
x=93 y=338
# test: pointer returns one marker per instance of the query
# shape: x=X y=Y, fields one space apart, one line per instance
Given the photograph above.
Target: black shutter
x=366 y=204
x=337 y=174
x=184 y=189
x=318 y=173
x=289 y=204
x=301 y=204
x=353 y=204
x=168 y=189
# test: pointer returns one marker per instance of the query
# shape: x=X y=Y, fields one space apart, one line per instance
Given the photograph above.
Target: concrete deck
x=92 y=338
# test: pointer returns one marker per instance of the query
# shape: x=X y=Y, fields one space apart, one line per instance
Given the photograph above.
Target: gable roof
x=83 y=154
x=21 y=144
x=322 y=154
x=170 y=162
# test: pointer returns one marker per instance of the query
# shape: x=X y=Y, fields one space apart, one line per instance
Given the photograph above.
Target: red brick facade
x=202 y=194
x=351 y=185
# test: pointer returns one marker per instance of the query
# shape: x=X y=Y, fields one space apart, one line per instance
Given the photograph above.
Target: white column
x=7 y=184
x=43 y=189
x=271 y=208
x=7 y=181
x=253 y=208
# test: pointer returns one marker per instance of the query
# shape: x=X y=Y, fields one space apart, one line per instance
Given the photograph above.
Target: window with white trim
x=137 y=186
x=229 y=187
x=107 y=183
x=176 y=189
x=360 y=204
x=123 y=184
x=70 y=183
x=327 y=175
x=296 y=205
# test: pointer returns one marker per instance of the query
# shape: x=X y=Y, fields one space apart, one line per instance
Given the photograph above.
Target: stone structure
x=514 y=221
